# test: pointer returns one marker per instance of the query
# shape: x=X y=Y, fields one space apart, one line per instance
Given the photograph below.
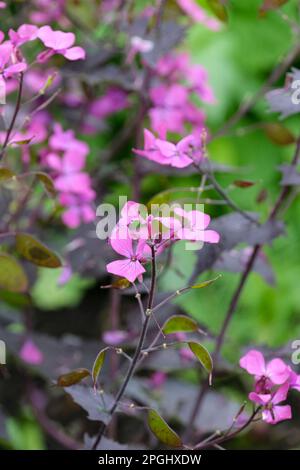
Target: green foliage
x=48 y=295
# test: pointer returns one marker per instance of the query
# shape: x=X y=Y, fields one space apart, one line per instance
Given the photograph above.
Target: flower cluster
x=180 y=155
x=115 y=99
x=47 y=12
x=12 y=60
x=173 y=108
x=66 y=157
x=272 y=383
x=137 y=231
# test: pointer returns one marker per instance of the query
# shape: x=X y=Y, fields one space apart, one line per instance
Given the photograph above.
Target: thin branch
x=238 y=292
x=138 y=350
x=13 y=120
x=248 y=104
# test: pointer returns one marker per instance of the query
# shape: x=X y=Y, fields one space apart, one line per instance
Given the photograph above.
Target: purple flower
x=274 y=372
x=9 y=64
x=130 y=267
x=273 y=412
x=25 y=33
x=114 y=337
x=161 y=151
x=31 y=354
x=59 y=42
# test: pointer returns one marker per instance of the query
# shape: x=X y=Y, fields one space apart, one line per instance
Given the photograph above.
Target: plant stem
x=237 y=294
x=248 y=104
x=227 y=437
x=138 y=350
x=13 y=120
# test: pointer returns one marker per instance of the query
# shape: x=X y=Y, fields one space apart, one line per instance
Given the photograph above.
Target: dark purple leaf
x=95 y=404
x=290 y=175
x=235 y=229
x=235 y=261
x=284 y=100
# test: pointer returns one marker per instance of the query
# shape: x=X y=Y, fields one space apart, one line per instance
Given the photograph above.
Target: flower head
x=273 y=412
x=179 y=155
x=25 y=33
x=133 y=252
x=59 y=42
x=275 y=372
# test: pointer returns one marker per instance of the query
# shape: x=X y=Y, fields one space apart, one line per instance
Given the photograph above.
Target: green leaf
x=279 y=134
x=12 y=275
x=47 y=294
x=47 y=183
x=6 y=174
x=162 y=430
x=179 y=323
x=119 y=284
x=205 y=283
x=98 y=365
x=202 y=355
x=73 y=377
x=36 y=252
x=218 y=8
x=48 y=83
x=21 y=142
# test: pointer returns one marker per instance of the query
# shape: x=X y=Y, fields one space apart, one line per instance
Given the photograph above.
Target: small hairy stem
x=223 y=436
x=138 y=350
x=218 y=188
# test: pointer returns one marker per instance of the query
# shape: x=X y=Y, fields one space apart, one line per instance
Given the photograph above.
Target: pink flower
x=273 y=412
x=274 y=372
x=197 y=14
x=176 y=67
x=139 y=225
x=114 y=337
x=65 y=140
x=193 y=227
x=169 y=104
x=65 y=275
x=78 y=208
x=9 y=65
x=31 y=354
x=294 y=380
x=69 y=177
x=178 y=155
x=114 y=100
x=131 y=267
x=25 y=33
x=66 y=157
x=2 y=5
x=47 y=12
x=59 y=42
x=157 y=380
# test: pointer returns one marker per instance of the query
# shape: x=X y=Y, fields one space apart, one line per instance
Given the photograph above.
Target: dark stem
x=12 y=123
x=227 y=437
x=237 y=294
x=138 y=350
x=247 y=105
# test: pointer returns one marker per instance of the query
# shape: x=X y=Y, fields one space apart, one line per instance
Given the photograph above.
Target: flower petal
x=253 y=362
x=277 y=371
